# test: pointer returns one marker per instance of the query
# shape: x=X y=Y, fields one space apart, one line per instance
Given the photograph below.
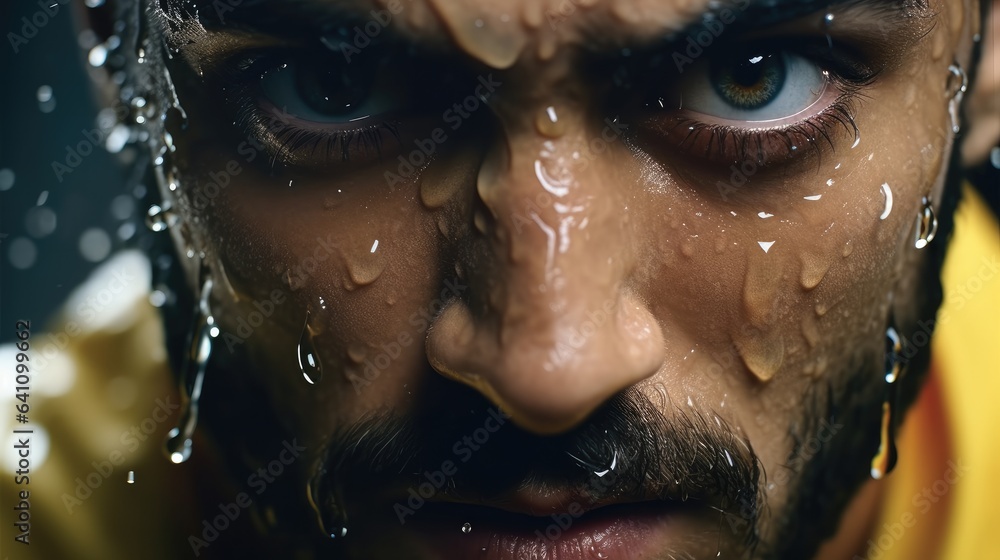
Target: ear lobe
x=982 y=109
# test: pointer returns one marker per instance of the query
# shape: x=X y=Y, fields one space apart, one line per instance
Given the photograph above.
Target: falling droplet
x=548 y=124
x=887 y=191
x=893 y=355
x=927 y=224
x=131 y=477
x=309 y=364
x=204 y=330
x=885 y=458
x=467 y=528
x=765 y=245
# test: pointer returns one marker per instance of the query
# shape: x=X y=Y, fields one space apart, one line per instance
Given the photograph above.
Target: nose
x=550 y=329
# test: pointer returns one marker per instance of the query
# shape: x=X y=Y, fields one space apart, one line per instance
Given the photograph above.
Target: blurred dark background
x=53 y=232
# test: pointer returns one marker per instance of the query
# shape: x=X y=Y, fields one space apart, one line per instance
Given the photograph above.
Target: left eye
x=752 y=87
x=328 y=90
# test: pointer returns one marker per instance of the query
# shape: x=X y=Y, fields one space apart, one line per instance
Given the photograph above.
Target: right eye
x=327 y=90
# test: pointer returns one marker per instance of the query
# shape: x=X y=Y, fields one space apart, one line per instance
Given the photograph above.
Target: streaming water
x=927 y=225
x=956 y=87
x=192 y=376
x=309 y=364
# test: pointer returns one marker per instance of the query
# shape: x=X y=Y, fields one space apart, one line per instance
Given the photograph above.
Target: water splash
x=467 y=528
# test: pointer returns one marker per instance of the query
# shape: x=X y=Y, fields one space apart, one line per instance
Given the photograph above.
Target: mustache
x=628 y=450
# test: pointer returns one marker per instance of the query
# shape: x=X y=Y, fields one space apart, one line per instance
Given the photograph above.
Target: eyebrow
x=301 y=18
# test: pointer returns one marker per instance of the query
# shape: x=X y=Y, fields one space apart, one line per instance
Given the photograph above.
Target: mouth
x=618 y=531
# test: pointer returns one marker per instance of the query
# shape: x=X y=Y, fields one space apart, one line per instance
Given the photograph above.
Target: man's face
x=667 y=248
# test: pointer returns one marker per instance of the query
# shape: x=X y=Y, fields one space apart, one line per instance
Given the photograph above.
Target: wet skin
x=569 y=237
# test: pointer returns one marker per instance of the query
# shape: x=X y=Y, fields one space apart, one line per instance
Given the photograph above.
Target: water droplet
x=761 y=352
x=22 y=252
x=131 y=477
x=760 y=290
x=810 y=330
x=885 y=459
x=887 y=192
x=927 y=224
x=479 y=220
x=813 y=197
x=357 y=352
x=547 y=123
x=765 y=245
x=829 y=182
x=98 y=55
x=95 y=244
x=814 y=269
x=159 y=218
x=848 y=249
x=764 y=215
x=467 y=528
x=364 y=266
x=309 y=364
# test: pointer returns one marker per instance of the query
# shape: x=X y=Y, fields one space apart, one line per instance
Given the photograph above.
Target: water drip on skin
x=439 y=183
x=548 y=123
x=487 y=37
x=760 y=290
x=762 y=352
x=810 y=330
x=848 y=249
x=479 y=220
x=365 y=266
x=309 y=364
x=687 y=247
x=814 y=269
x=357 y=352
x=885 y=458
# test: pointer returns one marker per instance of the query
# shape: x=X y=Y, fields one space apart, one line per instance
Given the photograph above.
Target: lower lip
x=620 y=532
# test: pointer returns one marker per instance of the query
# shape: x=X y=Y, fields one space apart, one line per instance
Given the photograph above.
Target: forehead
x=497 y=31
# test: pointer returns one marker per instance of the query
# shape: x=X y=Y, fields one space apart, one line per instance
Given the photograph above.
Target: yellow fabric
x=953 y=455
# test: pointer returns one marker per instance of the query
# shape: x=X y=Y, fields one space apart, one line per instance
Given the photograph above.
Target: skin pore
x=605 y=233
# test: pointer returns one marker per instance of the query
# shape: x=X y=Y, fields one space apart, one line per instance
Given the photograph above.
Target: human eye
x=762 y=101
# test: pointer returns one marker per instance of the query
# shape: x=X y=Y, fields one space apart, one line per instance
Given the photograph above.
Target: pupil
x=749 y=82
x=332 y=88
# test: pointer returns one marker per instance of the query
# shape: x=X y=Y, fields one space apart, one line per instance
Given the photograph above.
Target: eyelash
x=287 y=144
x=744 y=144
x=298 y=146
